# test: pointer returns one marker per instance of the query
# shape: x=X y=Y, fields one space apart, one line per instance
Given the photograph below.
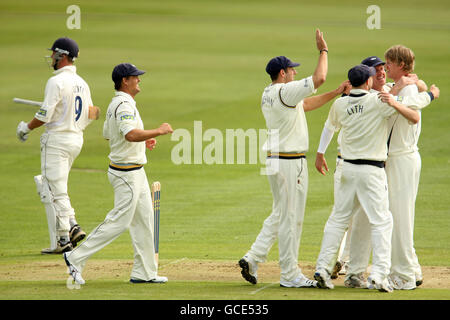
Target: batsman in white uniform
x=133 y=210
x=65 y=114
x=283 y=105
x=362 y=117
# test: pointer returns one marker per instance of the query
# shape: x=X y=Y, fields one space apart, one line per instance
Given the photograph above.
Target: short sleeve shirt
x=282 y=107
x=122 y=116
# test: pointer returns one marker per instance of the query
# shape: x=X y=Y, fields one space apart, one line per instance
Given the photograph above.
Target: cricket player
x=359 y=240
x=133 y=210
x=362 y=117
x=403 y=172
x=379 y=80
x=283 y=105
x=65 y=114
x=355 y=245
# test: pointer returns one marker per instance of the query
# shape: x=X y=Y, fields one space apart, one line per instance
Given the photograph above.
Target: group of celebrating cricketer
x=375 y=181
x=376 y=178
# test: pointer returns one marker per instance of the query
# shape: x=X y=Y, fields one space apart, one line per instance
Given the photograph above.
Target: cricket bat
x=94 y=112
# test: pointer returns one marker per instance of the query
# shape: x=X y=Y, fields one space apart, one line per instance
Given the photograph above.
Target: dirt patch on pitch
x=269 y=272
x=182 y=270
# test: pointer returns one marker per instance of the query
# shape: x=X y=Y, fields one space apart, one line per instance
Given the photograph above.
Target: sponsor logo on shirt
x=127 y=117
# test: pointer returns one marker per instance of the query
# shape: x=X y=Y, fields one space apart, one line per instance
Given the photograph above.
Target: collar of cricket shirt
x=125 y=95
x=71 y=68
x=358 y=92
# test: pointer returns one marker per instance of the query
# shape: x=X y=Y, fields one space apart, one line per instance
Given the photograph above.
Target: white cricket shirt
x=66 y=103
x=122 y=116
x=362 y=119
x=404 y=136
x=417 y=101
x=282 y=106
x=339 y=138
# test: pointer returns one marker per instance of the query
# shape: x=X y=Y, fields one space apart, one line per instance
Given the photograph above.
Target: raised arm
x=320 y=74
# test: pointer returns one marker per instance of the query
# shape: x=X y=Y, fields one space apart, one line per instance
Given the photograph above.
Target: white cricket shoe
x=299 y=282
x=323 y=280
x=399 y=284
x=249 y=269
x=380 y=285
x=76 y=275
x=60 y=248
x=356 y=281
x=157 y=279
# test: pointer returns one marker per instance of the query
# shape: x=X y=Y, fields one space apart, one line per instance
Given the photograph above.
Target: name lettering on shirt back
x=267 y=100
x=78 y=89
x=355 y=109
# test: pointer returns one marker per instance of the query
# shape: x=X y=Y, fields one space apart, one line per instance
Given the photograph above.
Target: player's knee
x=63 y=206
x=45 y=192
x=335 y=225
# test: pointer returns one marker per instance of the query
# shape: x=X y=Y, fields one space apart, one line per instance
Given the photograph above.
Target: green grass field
x=205 y=62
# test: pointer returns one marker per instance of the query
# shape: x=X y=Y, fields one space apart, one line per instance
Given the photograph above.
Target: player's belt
x=284 y=155
x=379 y=164
x=125 y=167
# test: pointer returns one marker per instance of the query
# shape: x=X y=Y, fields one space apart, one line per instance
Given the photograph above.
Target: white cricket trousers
x=366 y=185
x=403 y=173
x=58 y=152
x=344 y=249
x=404 y=262
x=355 y=247
x=360 y=245
x=132 y=211
x=289 y=186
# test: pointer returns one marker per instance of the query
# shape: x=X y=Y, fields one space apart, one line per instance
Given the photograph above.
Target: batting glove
x=22 y=131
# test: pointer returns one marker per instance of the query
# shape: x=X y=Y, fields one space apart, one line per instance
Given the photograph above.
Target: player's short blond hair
x=399 y=54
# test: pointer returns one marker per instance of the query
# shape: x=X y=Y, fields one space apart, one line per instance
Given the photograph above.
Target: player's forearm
x=35 y=123
x=315 y=102
x=320 y=74
x=421 y=86
x=139 y=135
x=325 y=140
x=410 y=114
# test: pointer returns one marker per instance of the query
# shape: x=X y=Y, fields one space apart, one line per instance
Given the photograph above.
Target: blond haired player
x=65 y=114
x=362 y=116
x=283 y=105
x=403 y=172
x=132 y=210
